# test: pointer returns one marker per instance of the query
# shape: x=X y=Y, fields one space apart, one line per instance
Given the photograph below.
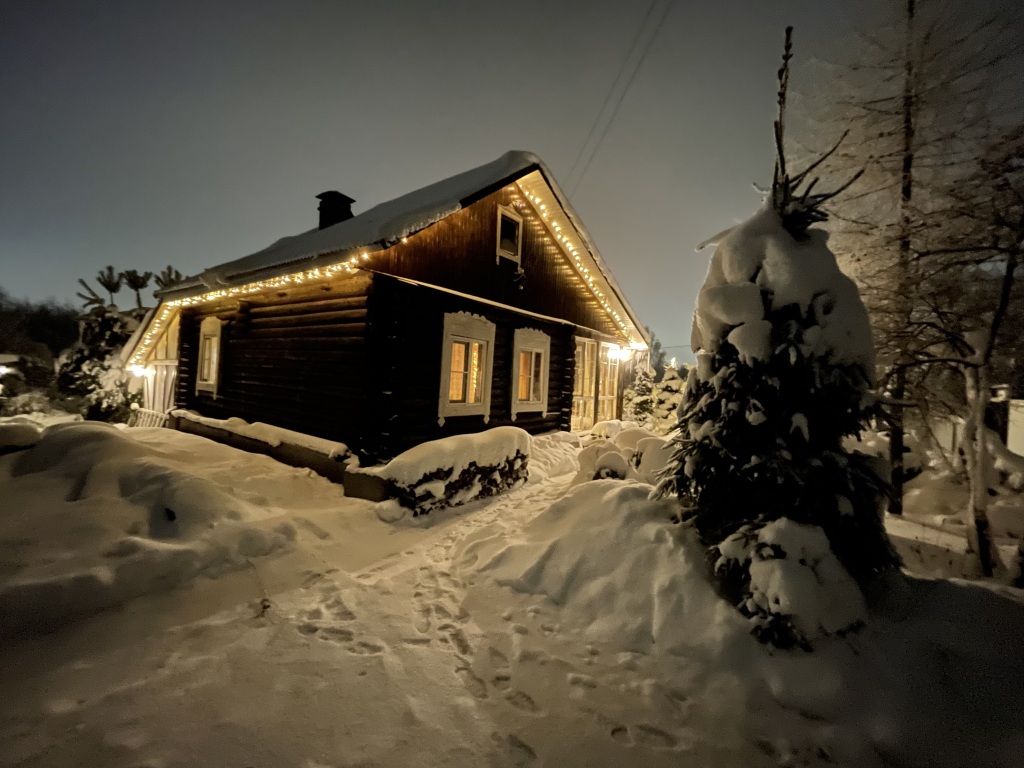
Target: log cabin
x=475 y=302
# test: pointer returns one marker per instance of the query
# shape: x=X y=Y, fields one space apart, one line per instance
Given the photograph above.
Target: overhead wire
x=611 y=92
x=573 y=186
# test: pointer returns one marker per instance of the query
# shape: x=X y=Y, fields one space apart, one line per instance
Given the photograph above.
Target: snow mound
x=552 y=455
x=18 y=435
x=620 y=572
x=143 y=523
x=271 y=435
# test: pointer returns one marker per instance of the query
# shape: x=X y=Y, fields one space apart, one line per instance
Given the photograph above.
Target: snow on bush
x=634 y=454
x=457 y=469
x=784 y=369
x=797 y=589
x=142 y=522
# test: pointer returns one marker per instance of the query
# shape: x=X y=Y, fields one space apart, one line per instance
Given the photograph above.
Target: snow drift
x=141 y=522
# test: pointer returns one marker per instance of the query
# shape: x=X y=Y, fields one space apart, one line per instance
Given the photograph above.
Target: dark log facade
x=358 y=358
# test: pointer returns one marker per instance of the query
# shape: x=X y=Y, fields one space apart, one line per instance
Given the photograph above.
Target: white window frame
x=210 y=333
x=463 y=326
x=517 y=257
x=530 y=340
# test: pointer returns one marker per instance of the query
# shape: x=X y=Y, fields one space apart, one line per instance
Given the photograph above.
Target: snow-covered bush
x=633 y=454
x=458 y=469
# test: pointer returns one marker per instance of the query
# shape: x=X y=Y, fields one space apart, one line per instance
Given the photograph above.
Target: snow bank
x=457 y=469
x=269 y=434
x=619 y=571
x=18 y=435
x=552 y=455
x=140 y=522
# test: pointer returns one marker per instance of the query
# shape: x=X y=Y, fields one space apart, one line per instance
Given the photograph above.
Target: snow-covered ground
x=554 y=625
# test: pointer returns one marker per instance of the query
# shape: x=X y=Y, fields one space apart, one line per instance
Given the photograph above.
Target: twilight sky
x=141 y=134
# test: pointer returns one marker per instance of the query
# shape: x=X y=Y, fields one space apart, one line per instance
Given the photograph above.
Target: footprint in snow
x=365 y=648
x=522 y=701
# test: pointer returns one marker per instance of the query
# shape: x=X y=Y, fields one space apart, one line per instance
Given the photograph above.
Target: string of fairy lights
x=570 y=244
x=564 y=235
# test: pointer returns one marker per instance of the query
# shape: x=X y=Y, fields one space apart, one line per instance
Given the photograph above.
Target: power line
x=611 y=91
x=622 y=96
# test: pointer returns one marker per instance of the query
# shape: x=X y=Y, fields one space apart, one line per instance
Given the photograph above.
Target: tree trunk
x=896 y=435
x=977 y=457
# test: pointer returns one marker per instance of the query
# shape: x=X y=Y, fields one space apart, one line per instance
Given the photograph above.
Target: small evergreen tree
x=784 y=370
x=667 y=396
x=110 y=281
x=136 y=282
x=642 y=405
x=168 y=276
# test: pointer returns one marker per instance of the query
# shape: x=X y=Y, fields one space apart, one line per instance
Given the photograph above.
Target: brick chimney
x=334 y=208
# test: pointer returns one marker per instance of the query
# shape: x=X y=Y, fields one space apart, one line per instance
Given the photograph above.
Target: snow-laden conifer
x=784 y=369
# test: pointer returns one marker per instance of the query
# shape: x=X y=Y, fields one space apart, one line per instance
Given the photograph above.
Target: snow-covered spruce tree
x=667 y=397
x=784 y=371
x=639 y=396
x=90 y=368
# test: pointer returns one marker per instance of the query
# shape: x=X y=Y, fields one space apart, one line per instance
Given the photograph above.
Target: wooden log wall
x=406 y=346
x=458 y=252
x=295 y=358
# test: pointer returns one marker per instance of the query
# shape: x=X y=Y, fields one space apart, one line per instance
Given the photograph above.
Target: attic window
x=510 y=234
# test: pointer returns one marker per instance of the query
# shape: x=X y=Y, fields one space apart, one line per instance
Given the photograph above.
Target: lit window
x=510 y=234
x=466 y=364
x=530 y=355
x=465 y=385
x=208 y=369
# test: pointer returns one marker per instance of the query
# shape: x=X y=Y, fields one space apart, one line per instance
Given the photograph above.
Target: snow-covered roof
x=386 y=224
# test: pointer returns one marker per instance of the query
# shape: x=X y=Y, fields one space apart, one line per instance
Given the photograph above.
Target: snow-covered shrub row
x=142 y=522
x=457 y=469
x=784 y=369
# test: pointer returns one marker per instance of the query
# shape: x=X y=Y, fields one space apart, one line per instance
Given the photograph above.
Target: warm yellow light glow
x=137 y=370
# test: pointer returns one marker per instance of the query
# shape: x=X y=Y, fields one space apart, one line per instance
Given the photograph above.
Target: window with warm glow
x=531 y=354
x=464 y=384
x=510 y=234
x=466 y=364
x=584 y=387
x=208 y=370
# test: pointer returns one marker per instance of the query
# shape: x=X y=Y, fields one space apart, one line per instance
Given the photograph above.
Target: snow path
x=338 y=670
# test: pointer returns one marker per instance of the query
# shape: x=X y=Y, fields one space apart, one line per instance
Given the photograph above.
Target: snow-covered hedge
x=455 y=470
